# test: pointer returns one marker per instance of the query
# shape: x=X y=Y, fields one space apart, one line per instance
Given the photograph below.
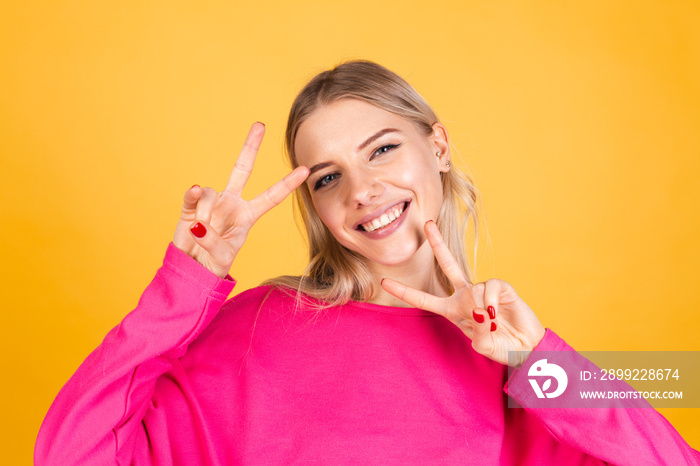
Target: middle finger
x=246 y=158
x=446 y=260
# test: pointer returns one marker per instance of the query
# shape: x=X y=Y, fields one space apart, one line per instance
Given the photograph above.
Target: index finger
x=276 y=193
x=415 y=298
x=246 y=159
x=446 y=260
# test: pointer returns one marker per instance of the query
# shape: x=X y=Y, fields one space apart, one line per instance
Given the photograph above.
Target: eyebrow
x=374 y=137
x=319 y=166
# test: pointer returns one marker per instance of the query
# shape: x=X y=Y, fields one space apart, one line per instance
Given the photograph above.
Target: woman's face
x=375 y=178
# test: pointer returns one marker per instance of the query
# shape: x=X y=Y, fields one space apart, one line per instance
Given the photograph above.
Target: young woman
x=382 y=352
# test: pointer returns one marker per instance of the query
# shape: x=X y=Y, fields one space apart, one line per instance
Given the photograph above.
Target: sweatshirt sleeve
x=636 y=434
x=97 y=416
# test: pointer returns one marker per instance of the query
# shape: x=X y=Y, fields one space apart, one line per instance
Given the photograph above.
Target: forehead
x=341 y=126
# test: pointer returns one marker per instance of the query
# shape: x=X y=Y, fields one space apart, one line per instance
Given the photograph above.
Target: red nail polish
x=198 y=230
x=493 y=326
x=194 y=186
x=478 y=317
x=492 y=312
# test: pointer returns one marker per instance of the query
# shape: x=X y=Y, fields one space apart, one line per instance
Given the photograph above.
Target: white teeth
x=385 y=219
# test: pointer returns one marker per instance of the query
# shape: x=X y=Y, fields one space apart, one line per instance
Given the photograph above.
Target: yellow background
x=578 y=120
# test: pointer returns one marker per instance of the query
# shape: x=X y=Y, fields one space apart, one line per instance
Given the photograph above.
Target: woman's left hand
x=491 y=313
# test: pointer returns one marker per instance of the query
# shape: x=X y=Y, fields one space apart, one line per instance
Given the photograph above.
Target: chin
x=393 y=258
x=397 y=250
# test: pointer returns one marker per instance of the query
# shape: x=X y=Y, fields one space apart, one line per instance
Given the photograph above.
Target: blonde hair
x=336 y=274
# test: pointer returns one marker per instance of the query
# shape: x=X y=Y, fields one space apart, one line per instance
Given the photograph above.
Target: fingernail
x=195 y=185
x=492 y=313
x=493 y=326
x=478 y=317
x=198 y=230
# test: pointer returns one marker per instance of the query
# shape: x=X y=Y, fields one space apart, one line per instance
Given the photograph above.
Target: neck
x=419 y=272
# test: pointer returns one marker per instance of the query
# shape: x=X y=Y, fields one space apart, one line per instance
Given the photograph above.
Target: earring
x=447 y=163
x=437 y=153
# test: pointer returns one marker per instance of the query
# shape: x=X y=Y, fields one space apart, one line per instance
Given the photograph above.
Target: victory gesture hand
x=213 y=226
x=491 y=313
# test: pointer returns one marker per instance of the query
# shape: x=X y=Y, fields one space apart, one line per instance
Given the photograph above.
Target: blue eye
x=384 y=149
x=325 y=180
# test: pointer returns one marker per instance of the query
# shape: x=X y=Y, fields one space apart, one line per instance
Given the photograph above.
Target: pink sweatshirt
x=189 y=379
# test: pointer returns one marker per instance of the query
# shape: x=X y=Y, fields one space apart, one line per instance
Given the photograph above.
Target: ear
x=441 y=143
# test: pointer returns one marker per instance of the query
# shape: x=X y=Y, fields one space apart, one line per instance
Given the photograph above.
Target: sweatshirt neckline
x=404 y=311
x=395 y=310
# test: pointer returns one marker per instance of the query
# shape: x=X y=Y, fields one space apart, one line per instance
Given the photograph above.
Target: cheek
x=425 y=180
x=437 y=198
x=328 y=215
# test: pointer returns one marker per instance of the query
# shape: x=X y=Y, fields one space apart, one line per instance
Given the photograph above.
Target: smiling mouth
x=384 y=220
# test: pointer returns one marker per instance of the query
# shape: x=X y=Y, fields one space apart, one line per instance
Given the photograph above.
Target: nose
x=363 y=188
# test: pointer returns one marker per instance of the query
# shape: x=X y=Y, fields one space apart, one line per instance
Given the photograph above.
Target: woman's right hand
x=213 y=226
